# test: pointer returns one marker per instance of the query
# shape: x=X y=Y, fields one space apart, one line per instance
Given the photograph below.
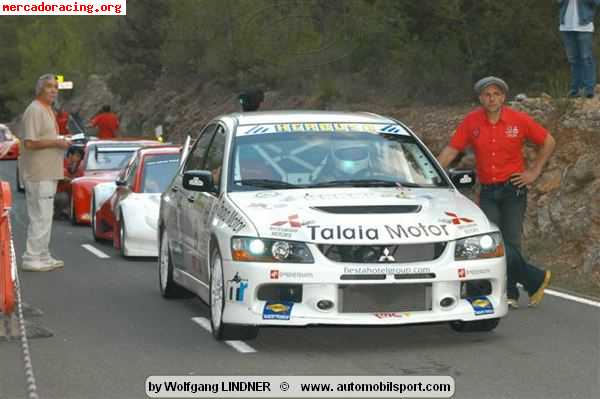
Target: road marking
x=573 y=298
x=95 y=251
x=239 y=346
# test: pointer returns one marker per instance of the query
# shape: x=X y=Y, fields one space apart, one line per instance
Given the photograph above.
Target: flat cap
x=490 y=80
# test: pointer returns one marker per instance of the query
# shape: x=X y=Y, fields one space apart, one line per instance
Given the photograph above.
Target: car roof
x=117 y=143
x=163 y=149
x=269 y=117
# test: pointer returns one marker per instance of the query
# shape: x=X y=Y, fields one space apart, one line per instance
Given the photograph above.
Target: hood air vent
x=355 y=210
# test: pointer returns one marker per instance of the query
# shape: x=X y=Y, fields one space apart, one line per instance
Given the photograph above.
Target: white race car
x=306 y=218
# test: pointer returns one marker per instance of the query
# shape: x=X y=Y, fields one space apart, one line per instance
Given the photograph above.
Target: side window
x=195 y=161
x=132 y=169
x=216 y=152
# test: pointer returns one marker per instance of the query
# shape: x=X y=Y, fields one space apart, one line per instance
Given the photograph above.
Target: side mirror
x=120 y=183
x=462 y=178
x=199 y=180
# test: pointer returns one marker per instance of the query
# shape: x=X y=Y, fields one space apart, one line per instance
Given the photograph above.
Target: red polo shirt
x=107 y=124
x=498 y=147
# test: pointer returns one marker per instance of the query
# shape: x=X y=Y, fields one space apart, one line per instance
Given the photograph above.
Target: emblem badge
x=386 y=257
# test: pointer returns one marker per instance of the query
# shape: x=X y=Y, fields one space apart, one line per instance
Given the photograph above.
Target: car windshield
x=107 y=158
x=158 y=172
x=329 y=155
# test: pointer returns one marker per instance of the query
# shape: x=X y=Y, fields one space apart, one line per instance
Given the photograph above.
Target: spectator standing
x=107 y=123
x=41 y=167
x=577 y=32
x=497 y=134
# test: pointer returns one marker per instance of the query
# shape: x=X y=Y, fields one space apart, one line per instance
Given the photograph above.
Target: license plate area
x=369 y=298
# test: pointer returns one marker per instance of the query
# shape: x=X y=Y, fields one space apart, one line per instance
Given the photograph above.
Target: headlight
x=479 y=247
x=251 y=249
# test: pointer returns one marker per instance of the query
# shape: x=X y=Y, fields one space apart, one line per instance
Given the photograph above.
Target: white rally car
x=307 y=218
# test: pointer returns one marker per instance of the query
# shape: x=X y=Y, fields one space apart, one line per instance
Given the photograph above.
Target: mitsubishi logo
x=386 y=257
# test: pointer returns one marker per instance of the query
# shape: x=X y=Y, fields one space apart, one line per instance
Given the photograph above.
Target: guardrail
x=7 y=273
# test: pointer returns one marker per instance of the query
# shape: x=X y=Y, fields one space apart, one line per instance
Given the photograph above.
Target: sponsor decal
x=388 y=315
x=512 y=132
x=277 y=274
x=196 y=182
x=387 y=270
x=464 y=273
x=277 y=310
x=229 y=216
x=456 y=219
x=393 y=232
x=266 y=206
x=285 y=228
x=316 y=127
x=481 y=305
x=267 y=194
x=236 y=287
x=466 y=179
x=464 y=224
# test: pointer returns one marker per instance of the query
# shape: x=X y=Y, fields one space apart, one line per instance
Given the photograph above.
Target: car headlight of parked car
x=252 y=249
x=482 y=246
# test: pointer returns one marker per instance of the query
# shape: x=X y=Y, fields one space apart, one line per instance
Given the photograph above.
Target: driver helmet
x=350 y=157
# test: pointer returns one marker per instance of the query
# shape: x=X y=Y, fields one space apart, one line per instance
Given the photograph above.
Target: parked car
x=9 y=144
x=102 y=162
x=129 y=215
x=306 y=218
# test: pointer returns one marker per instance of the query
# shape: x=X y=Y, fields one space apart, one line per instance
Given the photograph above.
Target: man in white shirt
x=41 y=165
x=577 y=31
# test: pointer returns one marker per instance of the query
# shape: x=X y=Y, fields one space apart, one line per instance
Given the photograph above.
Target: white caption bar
x=299 y=386
x=63 y=7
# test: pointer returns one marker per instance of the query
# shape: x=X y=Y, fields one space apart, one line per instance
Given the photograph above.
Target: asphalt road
x=112 y=329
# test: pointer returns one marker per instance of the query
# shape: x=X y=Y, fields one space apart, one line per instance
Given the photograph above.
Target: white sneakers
x=44 y=264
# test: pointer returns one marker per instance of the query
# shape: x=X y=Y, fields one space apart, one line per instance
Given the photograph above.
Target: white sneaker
x=36 y=266
x=56 y=263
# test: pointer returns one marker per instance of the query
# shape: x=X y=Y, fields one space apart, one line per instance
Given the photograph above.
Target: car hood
x=362 y=215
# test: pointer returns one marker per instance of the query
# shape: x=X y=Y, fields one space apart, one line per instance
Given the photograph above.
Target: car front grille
x=404 y=253
x=369 y=209
x=374 y=298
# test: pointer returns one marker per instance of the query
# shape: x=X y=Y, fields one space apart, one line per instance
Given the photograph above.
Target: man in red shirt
x=107 y=123
x=497 y=134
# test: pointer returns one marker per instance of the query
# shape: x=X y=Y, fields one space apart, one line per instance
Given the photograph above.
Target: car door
x=186 y=235
x=203 y=202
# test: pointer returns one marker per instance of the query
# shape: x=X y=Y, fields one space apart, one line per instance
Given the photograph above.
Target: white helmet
x=350 y=157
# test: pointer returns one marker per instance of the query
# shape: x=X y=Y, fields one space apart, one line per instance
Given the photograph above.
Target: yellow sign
x=60 y=78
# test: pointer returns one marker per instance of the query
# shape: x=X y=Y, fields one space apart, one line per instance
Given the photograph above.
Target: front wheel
x=122 y=236
x=475 y=326
x=94 y=221
x=220 y=330
x=20 y=185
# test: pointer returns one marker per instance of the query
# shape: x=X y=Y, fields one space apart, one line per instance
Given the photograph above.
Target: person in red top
x=497 y=134
x=107 y=123
x=62 y=119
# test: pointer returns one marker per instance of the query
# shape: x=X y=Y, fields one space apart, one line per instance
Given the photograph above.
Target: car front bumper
x=404 y=294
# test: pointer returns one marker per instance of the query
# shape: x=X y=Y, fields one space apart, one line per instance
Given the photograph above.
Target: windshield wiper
x=365 y=183
x=266 y=183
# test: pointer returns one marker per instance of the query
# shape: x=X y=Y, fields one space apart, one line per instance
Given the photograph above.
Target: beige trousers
x=40 y=208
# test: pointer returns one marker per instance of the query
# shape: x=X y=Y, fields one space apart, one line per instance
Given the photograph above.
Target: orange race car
x=102 y=162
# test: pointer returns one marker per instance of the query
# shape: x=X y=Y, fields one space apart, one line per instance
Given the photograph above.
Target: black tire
x=224 y=331
x=72 y=211
x=168 y=287
x=20 y=185
x=475 y=326
x=122 y=235
x=96 y=238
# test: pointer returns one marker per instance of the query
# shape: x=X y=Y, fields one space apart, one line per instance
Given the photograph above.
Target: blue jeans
x=504 y=204
x=520 y=271
x=580 y=55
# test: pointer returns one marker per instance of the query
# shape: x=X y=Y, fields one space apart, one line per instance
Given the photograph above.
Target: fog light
x=325 y=304
x=447 y=302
